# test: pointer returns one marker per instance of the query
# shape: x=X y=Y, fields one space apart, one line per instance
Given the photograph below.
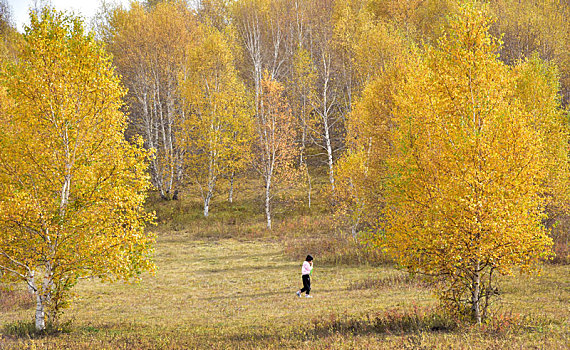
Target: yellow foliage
x=535 y=27
x=149 y=46
x=466 y=175
x=274 y=149
x=381 y=63
x=71 y=188
x=217 y=132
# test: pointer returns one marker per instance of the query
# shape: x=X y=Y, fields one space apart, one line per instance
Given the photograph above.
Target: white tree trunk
x=327 y=105
x=475 y=294
x=268 y=202
x=231 y=194
x=207 y=203
x=40 y=313
x=329 y=153
x=42 y=296
x=310 y=185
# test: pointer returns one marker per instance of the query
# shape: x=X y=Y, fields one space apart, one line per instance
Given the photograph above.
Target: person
x=306 y=276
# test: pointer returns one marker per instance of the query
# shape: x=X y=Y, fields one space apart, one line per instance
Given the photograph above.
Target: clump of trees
x=217 y=131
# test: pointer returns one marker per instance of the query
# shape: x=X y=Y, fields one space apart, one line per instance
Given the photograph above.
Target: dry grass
x=232 y=293
x=14 y=299
x=226 y=283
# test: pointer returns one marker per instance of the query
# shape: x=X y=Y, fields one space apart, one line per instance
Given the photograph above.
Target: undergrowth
x=391 y=321
x=27 y=329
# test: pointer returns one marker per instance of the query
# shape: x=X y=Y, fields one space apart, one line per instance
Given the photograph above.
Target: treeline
x=199 y=80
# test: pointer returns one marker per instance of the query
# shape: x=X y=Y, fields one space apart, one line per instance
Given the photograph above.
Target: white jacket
x=306 y=269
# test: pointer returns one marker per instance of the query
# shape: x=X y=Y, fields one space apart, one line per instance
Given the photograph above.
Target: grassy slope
x=224 y=283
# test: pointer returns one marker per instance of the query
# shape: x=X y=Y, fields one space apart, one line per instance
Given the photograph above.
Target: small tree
x=217 y=133
x=71 y=188
x=274 y=150
x=468 y=176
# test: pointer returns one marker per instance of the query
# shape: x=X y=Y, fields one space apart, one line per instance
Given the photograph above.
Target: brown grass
x=15 y=299
x=224 y=282
x=228 y=294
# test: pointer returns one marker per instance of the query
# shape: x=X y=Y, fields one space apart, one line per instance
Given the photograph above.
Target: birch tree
x=262 y=28
x=274 y=150
x=301 y=87
x=71 y=188
x=327 y=99
x=217 y=132
x=148 y=46
x=467 y=180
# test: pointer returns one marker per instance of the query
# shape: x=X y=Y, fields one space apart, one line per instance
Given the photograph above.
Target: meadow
x=224 y=282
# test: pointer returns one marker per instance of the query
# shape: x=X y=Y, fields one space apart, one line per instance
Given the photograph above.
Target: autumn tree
x=361 y=171
x=420 y=20
x=71 y=188
x=300 y=89
x=261 y=25
x=379 y=54
x=215 y=12
x=327 y=100
x=274 y=151
x=216 y=134
x=148 y=46
x=465 y=196
x=9 y=37
x=538 y=89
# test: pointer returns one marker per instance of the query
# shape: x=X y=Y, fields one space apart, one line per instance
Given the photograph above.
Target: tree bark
x=267 y=202
x=231 y=194
x=42 y=296
x=207 y=204
x=310 y=189
x=40 y=313
x=476 y=293
x=330 y=156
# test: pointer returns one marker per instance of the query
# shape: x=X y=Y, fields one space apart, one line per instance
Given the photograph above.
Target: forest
x=418 y=149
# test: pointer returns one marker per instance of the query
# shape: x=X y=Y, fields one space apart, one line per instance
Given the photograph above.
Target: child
x=306 y=275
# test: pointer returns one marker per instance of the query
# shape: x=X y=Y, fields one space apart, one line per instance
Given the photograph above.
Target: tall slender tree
x=149 y=45
x=217 y=132
x=274 y=149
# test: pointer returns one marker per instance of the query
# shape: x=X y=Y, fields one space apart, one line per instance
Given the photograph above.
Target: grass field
x=227 y=284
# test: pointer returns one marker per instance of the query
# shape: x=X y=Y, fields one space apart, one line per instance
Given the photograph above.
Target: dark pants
x=306 y=284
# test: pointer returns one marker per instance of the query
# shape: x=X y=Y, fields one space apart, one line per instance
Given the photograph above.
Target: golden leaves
x=72 y=188
x=467 y=171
